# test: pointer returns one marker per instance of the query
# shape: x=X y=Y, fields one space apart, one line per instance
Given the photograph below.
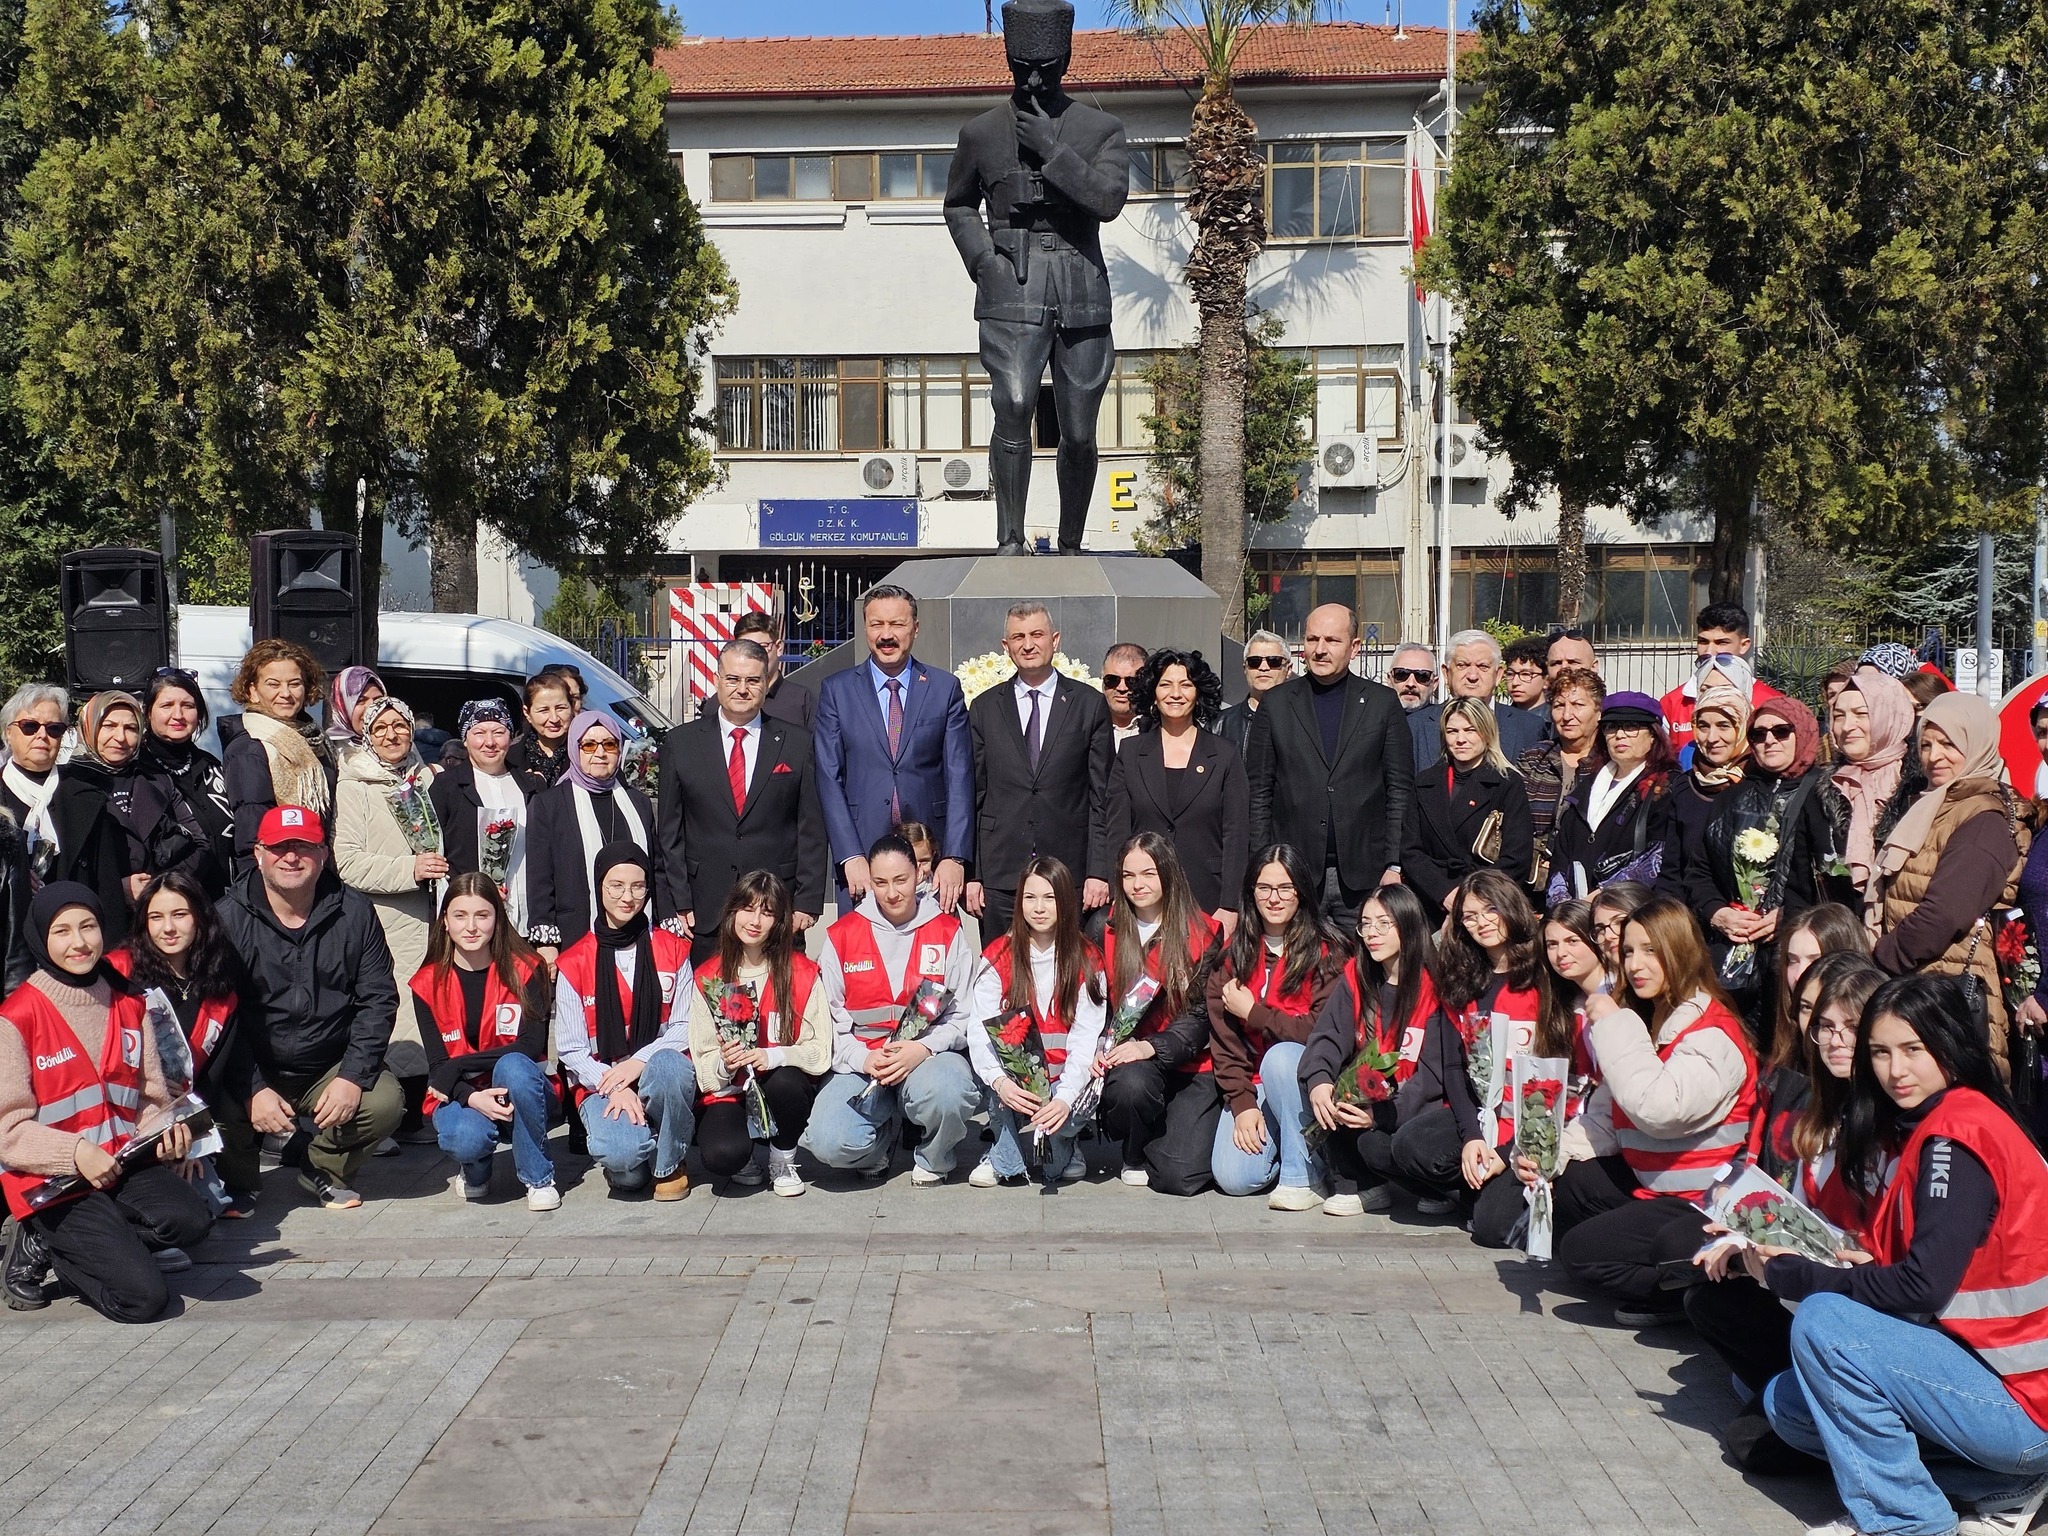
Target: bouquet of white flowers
x=1755 y=850
x=980 y=673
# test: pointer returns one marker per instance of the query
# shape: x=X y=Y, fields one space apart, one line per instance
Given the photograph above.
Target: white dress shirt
x=1023 y=691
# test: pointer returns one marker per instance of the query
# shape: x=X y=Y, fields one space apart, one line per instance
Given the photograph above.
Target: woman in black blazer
x=1468 y=814
x=568 y=825
x=1178 y=778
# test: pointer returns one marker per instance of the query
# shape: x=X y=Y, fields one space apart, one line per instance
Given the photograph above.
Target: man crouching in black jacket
x=316 y=1013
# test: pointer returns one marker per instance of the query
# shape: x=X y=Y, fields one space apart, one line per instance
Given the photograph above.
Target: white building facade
x=851 y=409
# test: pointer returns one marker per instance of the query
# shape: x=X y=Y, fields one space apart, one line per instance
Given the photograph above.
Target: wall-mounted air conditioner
x=1349 y=459
x=964 y=474
x=1467 y=462
x=888 y=474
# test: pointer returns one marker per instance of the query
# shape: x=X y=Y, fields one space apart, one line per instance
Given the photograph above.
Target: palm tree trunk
x=1226 y=175
x=1571 y=559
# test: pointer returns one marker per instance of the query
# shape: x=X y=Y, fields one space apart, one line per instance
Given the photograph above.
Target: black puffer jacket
x=15 y=960
x=316 y=995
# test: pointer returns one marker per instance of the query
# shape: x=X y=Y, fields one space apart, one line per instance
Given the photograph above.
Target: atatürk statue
x=1051 y=171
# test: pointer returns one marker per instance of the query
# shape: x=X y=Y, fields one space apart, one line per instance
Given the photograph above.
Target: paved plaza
x=867 y=1359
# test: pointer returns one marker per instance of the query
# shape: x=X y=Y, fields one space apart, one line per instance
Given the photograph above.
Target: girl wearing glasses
x=568 y=825
x=63 y=813
x=1793 y=1140
x=1387 y=994
x=1263 y=1001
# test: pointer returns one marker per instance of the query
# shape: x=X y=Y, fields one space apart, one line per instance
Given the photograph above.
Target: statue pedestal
x=1095 y=601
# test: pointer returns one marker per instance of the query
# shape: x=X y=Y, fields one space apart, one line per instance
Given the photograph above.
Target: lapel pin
x=1199 y=768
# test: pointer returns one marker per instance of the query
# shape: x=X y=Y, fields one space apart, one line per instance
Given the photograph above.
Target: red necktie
x=736 y=770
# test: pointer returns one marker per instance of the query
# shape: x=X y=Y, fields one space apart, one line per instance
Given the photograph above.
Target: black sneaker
x=332 y=1196
x=1652 y=1313
x=240 y=1207
x=28 y=1259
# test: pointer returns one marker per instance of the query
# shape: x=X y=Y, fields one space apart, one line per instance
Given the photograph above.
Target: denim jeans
x=1007 y=1155
x=1286 y=1151
x=668 y=1091
x=1907 y=1418
x=471 y=1138
x=939 y=1095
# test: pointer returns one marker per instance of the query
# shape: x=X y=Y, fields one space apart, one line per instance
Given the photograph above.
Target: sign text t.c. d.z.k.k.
x=870 y=523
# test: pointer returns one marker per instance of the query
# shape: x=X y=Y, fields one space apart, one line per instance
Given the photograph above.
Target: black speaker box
x=117 y=622
x=304 y=586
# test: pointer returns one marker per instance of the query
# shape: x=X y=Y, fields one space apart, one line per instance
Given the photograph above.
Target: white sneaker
x=1137 y=1176
x=461 y=1185
x=984 y=1175
x=922 y=1177
x=543 y=1197
x=1294 y=1197
x=1341 y=1204
x=751 y=1175
x=1076 y=1169
x=782 y=1175
x=2005 y=1517
x=1841 y=1525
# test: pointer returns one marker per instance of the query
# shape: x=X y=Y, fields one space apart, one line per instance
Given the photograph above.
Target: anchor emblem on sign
x=805 y=613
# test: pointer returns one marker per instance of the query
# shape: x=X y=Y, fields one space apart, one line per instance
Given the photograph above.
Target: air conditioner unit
x=1467 y=461
x=1348 y=459
x=962 y=475
x=889 y=474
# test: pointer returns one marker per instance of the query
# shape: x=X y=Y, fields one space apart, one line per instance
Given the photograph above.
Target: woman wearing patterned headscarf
x=482 y=804
x=592 y=808
x=1953 y=857
x=1870 y=723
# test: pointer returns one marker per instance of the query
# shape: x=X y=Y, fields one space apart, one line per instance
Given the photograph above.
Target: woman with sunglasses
x=1786 y=802
x=1919 y=1375
x=1267 y=664
x=64 y=812
x=569 y=825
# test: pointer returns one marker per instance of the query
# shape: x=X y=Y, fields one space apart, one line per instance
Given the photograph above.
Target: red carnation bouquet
x=1755 y=1211
x=1020 y=1050
x=1540 y=1104
x=927 y=1005
x=736 y=1012
x=2018 y=955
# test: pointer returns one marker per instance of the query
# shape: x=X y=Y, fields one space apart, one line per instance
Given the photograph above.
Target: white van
x=436 y=662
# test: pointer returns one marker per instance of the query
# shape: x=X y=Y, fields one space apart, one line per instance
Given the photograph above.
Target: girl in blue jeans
x=482 y=1000
x=1919 y=1421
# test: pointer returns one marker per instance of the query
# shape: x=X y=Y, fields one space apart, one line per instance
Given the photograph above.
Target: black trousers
x=1340 y=901
x=1426 y=1154
x=996 y=912
x=1165 y=1121
x=104 y=1245
x=722 y=1139
x=1016 y=354
x=1629 y=1246
x=1746 y=1324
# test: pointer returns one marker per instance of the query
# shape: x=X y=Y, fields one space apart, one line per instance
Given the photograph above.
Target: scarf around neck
x=296 y=775
x=620 y=1035
x=1869 y=784
x=35 y=798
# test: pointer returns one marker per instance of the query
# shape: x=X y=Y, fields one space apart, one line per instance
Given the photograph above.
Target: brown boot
x=674 y=1187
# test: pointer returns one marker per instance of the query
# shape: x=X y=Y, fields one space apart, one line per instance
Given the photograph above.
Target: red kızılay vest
x=1206 y=931
x=74 y=1094
x=803 y=976
x=578 y=966
x=504 y=1010
x=876 y=1007
x=208 y=1024
x=1402 y=1037
x=2000 y=1311
x=1052 y=1030
x=1686 y=1167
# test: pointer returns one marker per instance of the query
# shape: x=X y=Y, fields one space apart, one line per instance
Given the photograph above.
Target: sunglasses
x=1410 y=675
x=54 y=729
x=1265 y=663
x=1568 y=634
x=1118 y=679
x=1759 y=733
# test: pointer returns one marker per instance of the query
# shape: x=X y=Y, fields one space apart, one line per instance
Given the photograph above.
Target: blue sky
x=832 y=18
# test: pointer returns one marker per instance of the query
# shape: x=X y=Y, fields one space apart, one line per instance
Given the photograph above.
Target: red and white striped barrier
x=702 y=615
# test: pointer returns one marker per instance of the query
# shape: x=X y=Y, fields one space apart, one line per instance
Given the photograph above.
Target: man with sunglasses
x=1120 y=669
x=1267 y=664
x=1413 y=677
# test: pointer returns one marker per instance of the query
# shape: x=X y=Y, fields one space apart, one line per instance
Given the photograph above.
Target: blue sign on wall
x=870 y=522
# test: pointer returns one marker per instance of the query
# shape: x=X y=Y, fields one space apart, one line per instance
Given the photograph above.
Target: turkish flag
x=1418 y=214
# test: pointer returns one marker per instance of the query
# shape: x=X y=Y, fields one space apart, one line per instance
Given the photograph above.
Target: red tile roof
x=1333 y=53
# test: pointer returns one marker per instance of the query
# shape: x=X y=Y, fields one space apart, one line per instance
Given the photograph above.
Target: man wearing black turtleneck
x=1331 y=767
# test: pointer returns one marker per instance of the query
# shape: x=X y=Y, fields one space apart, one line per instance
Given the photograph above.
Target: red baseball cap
x=290 y=824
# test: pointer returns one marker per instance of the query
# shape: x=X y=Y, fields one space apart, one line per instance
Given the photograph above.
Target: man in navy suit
x=893 y=746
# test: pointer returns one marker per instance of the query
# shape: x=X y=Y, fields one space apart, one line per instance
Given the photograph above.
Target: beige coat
x=372 y=856
x=1664 y=1098
x=810 y=1052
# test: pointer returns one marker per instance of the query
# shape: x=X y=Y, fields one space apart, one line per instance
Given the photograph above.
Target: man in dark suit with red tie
x=739 y=792
x=1041 y=774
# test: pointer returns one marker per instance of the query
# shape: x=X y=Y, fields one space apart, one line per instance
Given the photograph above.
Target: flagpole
x=1449 y=413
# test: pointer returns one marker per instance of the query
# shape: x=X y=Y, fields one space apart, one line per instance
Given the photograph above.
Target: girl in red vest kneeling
x=1042 y=968
x=759 y=973
x=1677 y=1095
x=482 y=1000
x=1263 y=1001
x=79 y=1080
x=1159 y=1087
x=622 y=1032
x=1960 y=1237
x=1387 y=995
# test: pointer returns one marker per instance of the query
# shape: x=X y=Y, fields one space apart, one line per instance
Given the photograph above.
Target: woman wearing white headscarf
x=1953 y=858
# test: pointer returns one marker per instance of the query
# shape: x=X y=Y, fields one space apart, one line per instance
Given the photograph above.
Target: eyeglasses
x=1273 y=892
x=1759 y=733
x=1118 y=679
x=1266 y=663
x=1528 y=671
x=1573 y=633
x=1371 y=925
x=54 y=729
x=1410 y=675
x=1612 y=925
x=1818 y=1030
x=598 y=748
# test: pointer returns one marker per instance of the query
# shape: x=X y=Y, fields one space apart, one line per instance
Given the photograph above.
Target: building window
x=1358 y=389
x=1158 y=170
x=1295 y=583
x=856 y=177
x=1643 y=592
x=799 y=404
x=1336 y=189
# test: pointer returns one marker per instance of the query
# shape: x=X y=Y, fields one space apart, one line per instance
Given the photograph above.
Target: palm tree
x=1226 y=176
